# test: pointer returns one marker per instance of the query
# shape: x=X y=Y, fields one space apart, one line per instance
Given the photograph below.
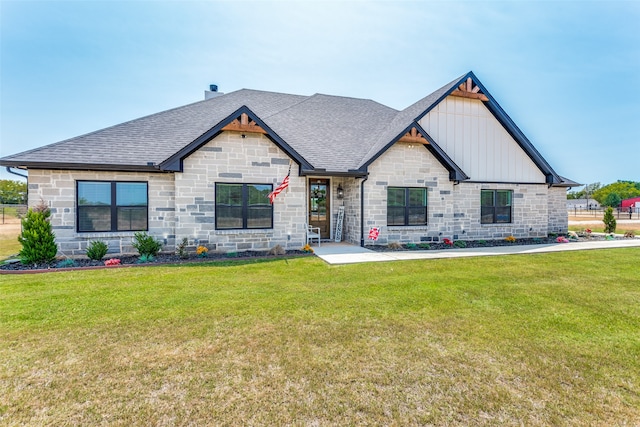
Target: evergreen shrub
x=609 y=221
x=96 y=250
x=145 y=244
x=37 y=237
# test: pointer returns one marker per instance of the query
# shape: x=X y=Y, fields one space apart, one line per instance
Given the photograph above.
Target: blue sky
x=566 y=72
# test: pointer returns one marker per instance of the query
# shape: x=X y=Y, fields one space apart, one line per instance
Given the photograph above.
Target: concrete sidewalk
x=344 y=253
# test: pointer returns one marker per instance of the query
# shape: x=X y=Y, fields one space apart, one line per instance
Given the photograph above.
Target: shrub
x=181 y=249
x=96 y=250
x=112 y=262
x=65 y=263
x=395 y=246
x=609 y=221
x=448 y=242
x=145 y=258
x=585 y=233
x=145 y=244
x=629 y=234
x=510 y=239
x=277 y=250
x=424 y=246
x=37 y=237
x=307 y=249
x=460 y=244
x=482 y=242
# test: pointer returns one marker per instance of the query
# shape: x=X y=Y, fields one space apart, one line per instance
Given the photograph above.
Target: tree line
x=608 y=195
x=13 y=192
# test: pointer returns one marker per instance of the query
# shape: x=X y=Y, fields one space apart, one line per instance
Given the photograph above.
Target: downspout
x=362 y=211
x=16 y=173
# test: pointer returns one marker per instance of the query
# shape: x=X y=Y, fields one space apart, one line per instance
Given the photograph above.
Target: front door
x=319 y=206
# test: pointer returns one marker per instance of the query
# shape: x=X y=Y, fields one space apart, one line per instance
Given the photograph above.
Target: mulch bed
x=133 y=261
x=474 y=244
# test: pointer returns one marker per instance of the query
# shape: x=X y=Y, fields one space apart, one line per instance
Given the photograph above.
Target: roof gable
x=467 y=86
x=243 y=120
x=322 y=133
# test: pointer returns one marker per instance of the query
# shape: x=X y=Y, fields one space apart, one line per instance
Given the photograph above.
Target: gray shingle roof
x=152 y=138
x=330 y=133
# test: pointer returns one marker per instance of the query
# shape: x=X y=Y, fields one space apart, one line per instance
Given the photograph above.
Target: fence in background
x=598 y=213
x=11 y=212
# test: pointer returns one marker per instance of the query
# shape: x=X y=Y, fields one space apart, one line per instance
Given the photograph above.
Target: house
x=582 y=204
x=452 y=165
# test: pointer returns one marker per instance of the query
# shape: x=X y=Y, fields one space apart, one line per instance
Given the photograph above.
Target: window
x=495 y=206
x=243 y=206
x=406 y=206
x=111 y=206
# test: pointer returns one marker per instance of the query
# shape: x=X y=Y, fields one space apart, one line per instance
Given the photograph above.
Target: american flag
x=280 y=188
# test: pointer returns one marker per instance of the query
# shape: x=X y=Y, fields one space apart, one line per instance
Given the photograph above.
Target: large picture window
x=243 y=206
x=111 y=206
x=406 y=206
x=495 y=206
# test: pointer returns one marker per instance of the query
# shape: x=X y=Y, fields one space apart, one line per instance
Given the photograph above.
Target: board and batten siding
x=467 y=131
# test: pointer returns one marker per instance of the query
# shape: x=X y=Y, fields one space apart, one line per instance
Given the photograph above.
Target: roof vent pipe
x=212 y=92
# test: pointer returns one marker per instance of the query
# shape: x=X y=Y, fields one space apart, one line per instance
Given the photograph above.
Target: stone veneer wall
x=405 y=165
x=58 y=189
x=558 y=216
x=229 y=158
x=529 y=212
x=453 y=209
x=351 y=202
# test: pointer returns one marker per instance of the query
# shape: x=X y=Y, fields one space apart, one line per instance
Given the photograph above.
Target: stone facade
x=558 y=218
x=454 y=208
x=58 y=189
x=232 y=158
x=182 y=204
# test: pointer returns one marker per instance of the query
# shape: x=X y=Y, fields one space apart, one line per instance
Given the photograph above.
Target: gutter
x=16 y=173
x=362 y=211
x=351 y=173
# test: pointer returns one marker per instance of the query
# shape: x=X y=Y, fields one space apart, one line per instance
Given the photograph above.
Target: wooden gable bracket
x=244 y=124
x=468 y=90
x=414 y=137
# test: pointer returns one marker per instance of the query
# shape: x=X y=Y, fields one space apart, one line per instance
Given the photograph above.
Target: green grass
x=547 y=339
x=9 y=245
x=620 y=229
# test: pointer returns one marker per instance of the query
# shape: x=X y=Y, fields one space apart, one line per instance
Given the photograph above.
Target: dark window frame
x=407 y=208
x=496 y=210
x=113 y=207
x=245 y=207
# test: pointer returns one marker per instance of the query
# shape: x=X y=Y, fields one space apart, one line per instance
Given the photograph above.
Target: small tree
x=37 y=237
x=609 y=221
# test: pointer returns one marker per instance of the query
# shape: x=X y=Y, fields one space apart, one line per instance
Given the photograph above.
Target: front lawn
x=9 y=245
x=545 y=339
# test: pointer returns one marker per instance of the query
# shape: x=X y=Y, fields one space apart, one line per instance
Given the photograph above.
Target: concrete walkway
x=344 y=253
